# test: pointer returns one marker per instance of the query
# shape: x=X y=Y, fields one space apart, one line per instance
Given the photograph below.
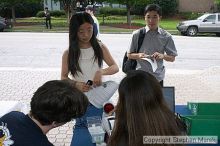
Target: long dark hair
x=74 y=50
x=141 y=111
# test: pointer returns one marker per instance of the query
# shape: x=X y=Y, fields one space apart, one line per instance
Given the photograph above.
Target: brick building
x=196 y=6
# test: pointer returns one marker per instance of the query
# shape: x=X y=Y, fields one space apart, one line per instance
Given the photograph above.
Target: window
x=210 y=18
x=219 y=17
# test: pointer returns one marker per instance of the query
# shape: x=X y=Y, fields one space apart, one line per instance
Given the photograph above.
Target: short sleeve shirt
x=154 y=41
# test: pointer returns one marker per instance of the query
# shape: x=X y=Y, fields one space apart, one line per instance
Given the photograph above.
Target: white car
x=2 y=24
x=207 y=23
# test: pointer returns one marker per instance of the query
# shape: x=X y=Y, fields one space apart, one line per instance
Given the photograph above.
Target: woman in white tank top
x=82 y=62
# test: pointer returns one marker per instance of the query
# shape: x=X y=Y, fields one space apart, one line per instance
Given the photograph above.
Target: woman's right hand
x=82 y=86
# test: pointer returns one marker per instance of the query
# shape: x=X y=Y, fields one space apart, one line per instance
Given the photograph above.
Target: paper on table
x=153 y=63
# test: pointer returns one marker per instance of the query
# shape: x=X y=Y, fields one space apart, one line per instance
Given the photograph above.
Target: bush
x=55 y=13
x=112 y=11
x=189 y=15
x=40 y=14
x=112 y=18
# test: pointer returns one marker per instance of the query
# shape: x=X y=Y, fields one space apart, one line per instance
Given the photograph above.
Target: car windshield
x=202 y=17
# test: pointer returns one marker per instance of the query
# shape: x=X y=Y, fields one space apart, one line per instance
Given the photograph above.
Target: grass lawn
x=107 y=24
x=168 y=24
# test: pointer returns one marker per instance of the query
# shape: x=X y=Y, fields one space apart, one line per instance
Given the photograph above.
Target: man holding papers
x=157 y=45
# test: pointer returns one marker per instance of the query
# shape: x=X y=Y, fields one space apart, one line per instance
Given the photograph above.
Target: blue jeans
x=81 y=135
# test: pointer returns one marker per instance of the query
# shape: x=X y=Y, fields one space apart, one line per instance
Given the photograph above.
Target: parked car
x=2 y=24
x=207 y=23
x=5 y=23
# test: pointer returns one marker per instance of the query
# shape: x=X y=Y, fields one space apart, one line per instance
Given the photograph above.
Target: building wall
x=196 y=5
x=52 y=5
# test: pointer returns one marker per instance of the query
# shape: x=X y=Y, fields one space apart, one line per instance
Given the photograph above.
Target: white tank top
x=87 y=65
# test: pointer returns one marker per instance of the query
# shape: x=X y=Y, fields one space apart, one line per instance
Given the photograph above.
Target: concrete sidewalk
x=190 y=85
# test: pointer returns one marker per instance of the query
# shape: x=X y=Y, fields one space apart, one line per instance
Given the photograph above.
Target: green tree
x=217 y=2
x=169 y=7
x=11 y=4
x=68 y=6
x=130 y=4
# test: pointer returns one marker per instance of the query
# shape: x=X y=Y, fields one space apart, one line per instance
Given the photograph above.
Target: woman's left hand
x=97 y=80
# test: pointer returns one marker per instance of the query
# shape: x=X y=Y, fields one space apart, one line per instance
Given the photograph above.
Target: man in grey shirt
x=157 y=44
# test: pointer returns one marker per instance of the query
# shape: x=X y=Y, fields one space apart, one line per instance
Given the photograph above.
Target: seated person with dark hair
x=53 y=104
x=141 y=111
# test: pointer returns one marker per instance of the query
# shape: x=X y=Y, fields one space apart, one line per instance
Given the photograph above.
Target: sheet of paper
x=101 y=94
x=153 y=63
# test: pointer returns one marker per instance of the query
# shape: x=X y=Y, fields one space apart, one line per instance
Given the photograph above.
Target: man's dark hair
x=46 y=8
x=153 y=7
x=57 y=101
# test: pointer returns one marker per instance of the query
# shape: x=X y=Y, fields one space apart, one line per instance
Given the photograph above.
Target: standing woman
x=82 y=62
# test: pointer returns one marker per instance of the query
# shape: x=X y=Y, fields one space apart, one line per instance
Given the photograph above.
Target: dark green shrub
x=55 y=13
x=112 y=18
x=112 y=11
x=189 y=15
x=40 y=14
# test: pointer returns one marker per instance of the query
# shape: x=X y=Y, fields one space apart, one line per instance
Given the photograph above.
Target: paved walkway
x=190 y=85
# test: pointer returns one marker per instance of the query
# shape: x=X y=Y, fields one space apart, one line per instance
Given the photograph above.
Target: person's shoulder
x=104 y=48
x=15 y=113
x=164 y=33
x=12 y=115
x=66 y=52
x=136 y=32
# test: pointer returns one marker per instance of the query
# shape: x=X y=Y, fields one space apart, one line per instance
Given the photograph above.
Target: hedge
x=55 y=13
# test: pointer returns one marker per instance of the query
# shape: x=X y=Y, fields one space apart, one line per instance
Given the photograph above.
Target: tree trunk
x=13 y=14
x=67 y=11
x=68 y=15
x=129 y=15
